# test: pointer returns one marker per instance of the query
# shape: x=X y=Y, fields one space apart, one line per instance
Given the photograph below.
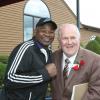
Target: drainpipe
x=78 y=14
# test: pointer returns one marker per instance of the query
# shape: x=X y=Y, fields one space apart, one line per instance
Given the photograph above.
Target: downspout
x=78 y=13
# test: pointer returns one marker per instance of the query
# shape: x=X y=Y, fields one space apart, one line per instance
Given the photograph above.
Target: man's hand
x=51 y=68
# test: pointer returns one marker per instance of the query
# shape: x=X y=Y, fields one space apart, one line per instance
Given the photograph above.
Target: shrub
x=3 y=64
x=4 y=59
x=98 y=39
x=2 y=71
x=94 y=46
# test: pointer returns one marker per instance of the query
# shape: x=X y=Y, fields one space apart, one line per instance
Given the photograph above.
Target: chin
x=46 y=44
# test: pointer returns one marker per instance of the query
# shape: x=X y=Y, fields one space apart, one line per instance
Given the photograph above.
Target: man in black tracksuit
x=30 y=67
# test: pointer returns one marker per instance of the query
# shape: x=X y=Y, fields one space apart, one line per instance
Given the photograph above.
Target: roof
x=7 y=2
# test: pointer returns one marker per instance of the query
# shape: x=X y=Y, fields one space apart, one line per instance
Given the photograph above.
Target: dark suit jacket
x=88 y=72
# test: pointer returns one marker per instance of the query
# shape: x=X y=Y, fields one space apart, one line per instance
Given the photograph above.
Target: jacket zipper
x=30 y=96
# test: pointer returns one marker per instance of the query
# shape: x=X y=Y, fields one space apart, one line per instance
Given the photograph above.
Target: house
x=12 y=22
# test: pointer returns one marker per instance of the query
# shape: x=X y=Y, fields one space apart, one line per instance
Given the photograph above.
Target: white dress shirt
x=70 y=65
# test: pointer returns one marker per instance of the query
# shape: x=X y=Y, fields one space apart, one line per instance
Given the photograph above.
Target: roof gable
x=7 y=2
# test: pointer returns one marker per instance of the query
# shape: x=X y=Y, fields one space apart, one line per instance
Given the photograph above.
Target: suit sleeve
x=93 y=92
x=54 y=82
x=20 y=71
x=54 y=89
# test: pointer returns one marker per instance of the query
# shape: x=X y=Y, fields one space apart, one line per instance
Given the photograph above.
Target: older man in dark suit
x=83 y=66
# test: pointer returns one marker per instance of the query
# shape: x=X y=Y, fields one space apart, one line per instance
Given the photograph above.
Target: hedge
x=94 y=45
x=3 y=64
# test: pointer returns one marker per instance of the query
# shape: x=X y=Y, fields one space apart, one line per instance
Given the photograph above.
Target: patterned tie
x=65 y=71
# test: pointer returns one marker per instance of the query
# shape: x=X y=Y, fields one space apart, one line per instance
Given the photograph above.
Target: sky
x=89 y=11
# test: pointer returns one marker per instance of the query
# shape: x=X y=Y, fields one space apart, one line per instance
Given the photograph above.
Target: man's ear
x=35 y=30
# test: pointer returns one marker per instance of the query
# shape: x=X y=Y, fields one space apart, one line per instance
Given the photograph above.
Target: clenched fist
x=51 y=68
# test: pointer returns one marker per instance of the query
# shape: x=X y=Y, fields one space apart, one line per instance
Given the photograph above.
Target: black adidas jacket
x=26 y=77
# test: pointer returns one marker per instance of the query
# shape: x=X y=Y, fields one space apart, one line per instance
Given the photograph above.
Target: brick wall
x=11 y=23
x=11 y=26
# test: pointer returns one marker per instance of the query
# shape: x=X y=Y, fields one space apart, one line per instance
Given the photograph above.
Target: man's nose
x=69 y=41
x=47 y=34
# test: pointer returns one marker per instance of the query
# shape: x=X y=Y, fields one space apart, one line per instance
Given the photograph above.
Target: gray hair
x=66 y=26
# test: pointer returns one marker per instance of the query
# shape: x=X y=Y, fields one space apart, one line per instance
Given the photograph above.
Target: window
x=34 y=10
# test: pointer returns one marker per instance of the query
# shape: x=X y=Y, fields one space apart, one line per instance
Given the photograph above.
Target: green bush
x=4 y=59
x=94 y=45
x=3 y=64
x=98 y=39
x=2 y=71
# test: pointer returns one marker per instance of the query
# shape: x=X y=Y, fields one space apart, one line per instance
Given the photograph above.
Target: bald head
x=68 y=28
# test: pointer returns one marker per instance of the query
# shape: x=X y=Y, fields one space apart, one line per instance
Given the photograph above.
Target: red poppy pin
x=78 y=65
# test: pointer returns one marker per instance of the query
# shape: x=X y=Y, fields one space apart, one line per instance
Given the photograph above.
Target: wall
x=11 y=23
x=11 y=26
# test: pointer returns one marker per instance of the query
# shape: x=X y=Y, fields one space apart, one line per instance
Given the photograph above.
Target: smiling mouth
x=69 y=46
x=46 y=39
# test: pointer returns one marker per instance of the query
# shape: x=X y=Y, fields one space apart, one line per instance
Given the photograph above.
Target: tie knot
x=67 y=61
